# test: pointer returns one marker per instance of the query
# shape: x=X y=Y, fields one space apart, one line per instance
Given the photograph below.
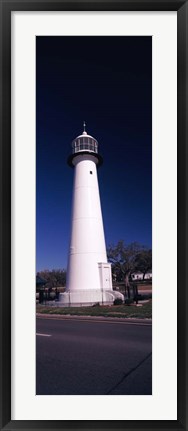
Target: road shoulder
x=129 y=320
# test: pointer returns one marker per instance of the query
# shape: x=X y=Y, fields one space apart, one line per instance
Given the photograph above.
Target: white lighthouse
x=89 y=278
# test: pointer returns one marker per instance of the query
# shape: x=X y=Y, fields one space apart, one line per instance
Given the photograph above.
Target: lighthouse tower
x=89 y=278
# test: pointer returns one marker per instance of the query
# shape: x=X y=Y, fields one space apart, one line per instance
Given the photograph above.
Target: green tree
x=123 y=258
x=54 y=278
x=144 y=261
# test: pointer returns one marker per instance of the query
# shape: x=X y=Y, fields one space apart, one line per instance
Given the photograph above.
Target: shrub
x=97 y=304
x=118 y=301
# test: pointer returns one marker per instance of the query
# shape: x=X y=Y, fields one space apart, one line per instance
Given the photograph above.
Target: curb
x=132 y=320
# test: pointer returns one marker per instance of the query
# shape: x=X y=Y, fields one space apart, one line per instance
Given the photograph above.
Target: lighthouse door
x=106 y=277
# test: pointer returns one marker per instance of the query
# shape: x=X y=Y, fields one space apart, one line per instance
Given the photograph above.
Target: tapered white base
x=89 y=297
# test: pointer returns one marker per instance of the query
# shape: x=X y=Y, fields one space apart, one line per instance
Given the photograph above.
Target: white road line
x=43 y=335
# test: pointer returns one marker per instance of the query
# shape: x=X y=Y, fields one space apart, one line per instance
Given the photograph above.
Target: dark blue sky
x=106 y=81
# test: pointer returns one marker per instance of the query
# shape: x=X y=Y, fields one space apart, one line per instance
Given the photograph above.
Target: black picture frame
x=6 y=7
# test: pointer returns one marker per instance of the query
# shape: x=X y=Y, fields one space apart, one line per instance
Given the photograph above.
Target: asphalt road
x=76 y=357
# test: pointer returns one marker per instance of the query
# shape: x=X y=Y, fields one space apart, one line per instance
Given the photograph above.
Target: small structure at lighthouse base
x=89 y=279
x=103 y=294
x=88 y=298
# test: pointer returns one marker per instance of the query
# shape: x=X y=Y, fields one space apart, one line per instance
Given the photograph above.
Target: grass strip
x=132 y=311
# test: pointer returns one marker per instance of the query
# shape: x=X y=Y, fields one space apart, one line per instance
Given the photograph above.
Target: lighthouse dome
x=84 y=144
